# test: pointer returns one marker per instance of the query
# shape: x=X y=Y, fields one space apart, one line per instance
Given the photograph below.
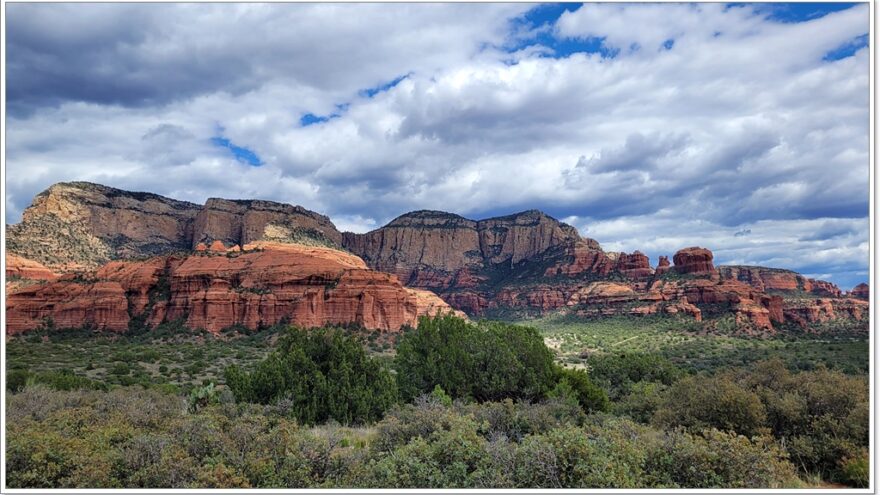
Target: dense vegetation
x=460 y=405
x=318 y=376
x=487 y=361
x=132 y=437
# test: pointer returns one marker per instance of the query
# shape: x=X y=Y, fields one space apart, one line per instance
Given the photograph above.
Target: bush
x=322 y=375
x=642 y=402
x=16 y=380
x=711 y=402
x=130 y=437
x=616 y=373
x=64 y=379
x=717 y=459
x=485 y=361
x=856 y=470
x=577 y=383
x=202 y=396
x=821 y=416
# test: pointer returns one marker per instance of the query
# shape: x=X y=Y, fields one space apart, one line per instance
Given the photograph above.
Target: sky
x=743 y=128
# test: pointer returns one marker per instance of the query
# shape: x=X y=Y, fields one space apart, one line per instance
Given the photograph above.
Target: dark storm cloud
x=101 y=55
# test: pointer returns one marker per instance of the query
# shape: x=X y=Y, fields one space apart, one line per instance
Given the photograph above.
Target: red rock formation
x=774 y=279
x=135 y=278
x=806 y=311
x=89 y=224
x=217 y=247
x=635 y=266
x=525 y=262
x=469 y=301
x=822 y=288
x=541 y=298
x=611 y=298
x=446 y=243
x=765 y=279
x=861 y=291
x=775 y=307
x=581 y=258
x=101 y=305
x=694 y=261
x=22 y=268
x=310 y=286
x=662 y=265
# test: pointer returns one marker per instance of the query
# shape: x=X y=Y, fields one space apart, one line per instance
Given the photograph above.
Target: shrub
x=64 y=379
x=642 y=401
x=618 y=372
x=202 y=396
x=16 y=380
x=485 y=361
x=589 y=396
x=120 y=369
x=706 y=402
x=717 y=459
x=323 y=374
x=856 y=470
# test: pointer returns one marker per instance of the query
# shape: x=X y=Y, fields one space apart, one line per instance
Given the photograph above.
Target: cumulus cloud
x=705 y=121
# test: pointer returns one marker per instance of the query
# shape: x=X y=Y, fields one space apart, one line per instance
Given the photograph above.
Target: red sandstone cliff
x=22 y=268
x=861 y=291
x=268 y=282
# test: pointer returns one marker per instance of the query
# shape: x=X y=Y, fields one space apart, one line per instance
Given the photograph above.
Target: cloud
x=155 y=54
x=723 y=118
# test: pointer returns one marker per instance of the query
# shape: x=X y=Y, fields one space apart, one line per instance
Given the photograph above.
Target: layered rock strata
x=263 y=285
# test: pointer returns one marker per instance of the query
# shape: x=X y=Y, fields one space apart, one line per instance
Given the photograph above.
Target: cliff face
x=530 y=263
x=522 y=264
x=243 y=222
x=775 y=279
x=438 y=242
x=83 y=225
x=262 y=285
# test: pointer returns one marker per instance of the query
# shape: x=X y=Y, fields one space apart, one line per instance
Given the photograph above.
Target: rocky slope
x=263 y=284
x=83 y=225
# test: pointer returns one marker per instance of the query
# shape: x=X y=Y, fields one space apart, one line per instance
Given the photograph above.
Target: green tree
x=484 y=361
x=577 y=383
x=618 y=372
x=317 y=376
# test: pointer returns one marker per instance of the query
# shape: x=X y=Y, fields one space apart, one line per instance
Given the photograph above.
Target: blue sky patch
x=796 y=12
x=847 y=49
x=371 y=92
x=547 y=15
x=241 y=154
x=310 y=119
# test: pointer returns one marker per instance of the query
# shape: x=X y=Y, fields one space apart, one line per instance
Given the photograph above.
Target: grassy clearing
x=679 y=340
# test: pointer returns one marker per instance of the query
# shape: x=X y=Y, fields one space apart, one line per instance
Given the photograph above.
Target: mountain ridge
x=526 y=263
